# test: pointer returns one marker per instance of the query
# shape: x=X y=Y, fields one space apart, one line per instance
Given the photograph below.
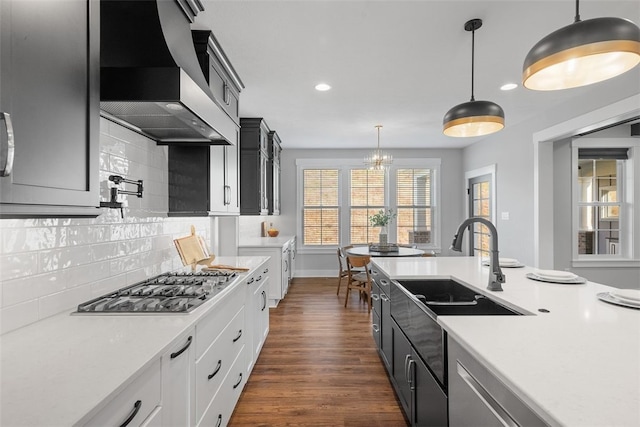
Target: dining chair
x=343 y=272
x=359 y=280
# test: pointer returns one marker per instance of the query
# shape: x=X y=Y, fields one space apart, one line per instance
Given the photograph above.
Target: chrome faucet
x=495 y=275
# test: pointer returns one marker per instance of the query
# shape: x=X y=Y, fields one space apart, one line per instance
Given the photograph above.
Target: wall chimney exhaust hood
x=150 y=78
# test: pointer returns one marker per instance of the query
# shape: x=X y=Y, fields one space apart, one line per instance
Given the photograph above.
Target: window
x=321 y=208
x=367 y=196
x=603 y=186
x=338 y=196
x=414 y=205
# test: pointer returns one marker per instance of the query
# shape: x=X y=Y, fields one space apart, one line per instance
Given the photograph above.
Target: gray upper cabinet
x=273 y=174
x=254 y=159
x=49 y=87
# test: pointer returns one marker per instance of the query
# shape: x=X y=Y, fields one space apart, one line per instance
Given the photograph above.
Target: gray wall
x=512 y=151
x=327 y=264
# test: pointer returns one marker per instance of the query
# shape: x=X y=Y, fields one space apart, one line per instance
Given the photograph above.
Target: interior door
x=480 y=202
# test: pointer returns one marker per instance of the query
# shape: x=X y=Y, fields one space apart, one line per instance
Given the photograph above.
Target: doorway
x=480 y=205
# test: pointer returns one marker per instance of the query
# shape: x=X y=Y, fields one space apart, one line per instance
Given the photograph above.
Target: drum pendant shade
x=582 y=53
x=473 y=118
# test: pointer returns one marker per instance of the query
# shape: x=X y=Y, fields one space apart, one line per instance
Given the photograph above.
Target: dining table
x=401 y=252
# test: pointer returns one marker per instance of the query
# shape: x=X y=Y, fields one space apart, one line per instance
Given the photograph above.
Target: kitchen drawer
x=224 y=310
x=216 y=363
x=224 y=402
x=375 y=326
x=155 y=419
x=144 y=389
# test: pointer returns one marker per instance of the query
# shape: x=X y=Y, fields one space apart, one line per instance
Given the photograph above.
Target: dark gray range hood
x=150 y=78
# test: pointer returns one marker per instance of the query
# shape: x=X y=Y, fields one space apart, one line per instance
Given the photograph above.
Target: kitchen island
x=575 y=365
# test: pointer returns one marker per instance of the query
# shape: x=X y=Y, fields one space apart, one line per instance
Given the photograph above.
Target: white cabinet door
x=223 y=186
x=261 y=317
x=178 y=382
x=284 y=278
x=292 y=257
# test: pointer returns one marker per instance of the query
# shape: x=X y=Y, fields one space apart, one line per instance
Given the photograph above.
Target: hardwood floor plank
x=319 y=365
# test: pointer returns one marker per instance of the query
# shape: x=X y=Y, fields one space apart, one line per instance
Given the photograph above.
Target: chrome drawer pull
x=8 y=163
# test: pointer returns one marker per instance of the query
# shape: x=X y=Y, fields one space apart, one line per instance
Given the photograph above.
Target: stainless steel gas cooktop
x=166 y=293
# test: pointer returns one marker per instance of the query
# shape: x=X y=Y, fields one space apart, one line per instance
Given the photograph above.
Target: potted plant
x=382 y=219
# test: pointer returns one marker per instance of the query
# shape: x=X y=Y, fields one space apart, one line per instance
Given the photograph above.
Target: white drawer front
x=215 y=364
x=144 y=389
x=210 y=327
x=219 y=413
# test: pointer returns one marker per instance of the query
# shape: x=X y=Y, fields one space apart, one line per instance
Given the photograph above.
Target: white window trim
x=630 y=253
x=344 y=165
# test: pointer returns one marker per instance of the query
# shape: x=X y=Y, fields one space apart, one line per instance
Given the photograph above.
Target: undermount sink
x=449 y=297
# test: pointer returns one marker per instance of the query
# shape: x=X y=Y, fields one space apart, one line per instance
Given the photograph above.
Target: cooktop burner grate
x=166 y=293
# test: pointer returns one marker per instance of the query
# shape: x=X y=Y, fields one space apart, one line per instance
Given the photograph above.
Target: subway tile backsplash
x=50 y=265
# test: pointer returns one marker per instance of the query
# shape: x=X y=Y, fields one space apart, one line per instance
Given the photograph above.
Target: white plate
x=630 y=295
x=607 y=297
x=575 y=281
x=555 y=274
x=506 y=263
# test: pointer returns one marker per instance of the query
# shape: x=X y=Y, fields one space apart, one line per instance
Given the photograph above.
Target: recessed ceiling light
x=508 y=86
x=322 y=87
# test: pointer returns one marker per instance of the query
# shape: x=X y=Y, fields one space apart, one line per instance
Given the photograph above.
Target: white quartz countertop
x=578 y=365
x=265 y=242
x=56 y=372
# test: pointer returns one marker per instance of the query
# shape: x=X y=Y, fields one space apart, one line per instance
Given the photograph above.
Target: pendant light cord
x=577 y=18
x=473 y=39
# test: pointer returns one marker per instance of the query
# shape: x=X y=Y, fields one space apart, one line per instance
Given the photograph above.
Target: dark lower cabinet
x=50 y=79
x=400 y=374
x=424 y=403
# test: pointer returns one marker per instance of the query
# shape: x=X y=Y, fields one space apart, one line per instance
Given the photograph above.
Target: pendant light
x=473 y=118
x=582 y=53
x=378 y=160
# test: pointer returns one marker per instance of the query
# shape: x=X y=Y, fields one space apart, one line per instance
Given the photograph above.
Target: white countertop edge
x=265 y=242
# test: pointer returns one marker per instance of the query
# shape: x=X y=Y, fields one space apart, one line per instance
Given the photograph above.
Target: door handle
x=6 y=169
x=227 y=195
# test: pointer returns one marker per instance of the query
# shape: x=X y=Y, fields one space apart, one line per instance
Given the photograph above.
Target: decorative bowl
x=273 y=232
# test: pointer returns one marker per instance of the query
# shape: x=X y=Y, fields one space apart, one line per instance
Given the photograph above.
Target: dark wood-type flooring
x=319 y=365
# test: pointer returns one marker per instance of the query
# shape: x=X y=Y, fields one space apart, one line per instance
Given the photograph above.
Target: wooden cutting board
x=193 y=250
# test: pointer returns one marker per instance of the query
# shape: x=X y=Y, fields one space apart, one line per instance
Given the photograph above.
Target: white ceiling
x=402 y=64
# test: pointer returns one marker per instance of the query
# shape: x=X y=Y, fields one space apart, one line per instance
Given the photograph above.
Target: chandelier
x=378 y=160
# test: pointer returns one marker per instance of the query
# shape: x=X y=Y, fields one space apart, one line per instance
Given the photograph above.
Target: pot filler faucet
x=495 y=274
